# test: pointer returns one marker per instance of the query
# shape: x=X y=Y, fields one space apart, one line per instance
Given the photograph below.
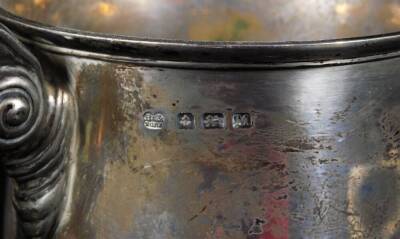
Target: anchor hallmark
x=186 y=121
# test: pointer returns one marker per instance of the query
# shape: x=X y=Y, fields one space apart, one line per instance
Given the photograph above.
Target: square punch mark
x=241 y=120
x=213 y=120
x=186 y=121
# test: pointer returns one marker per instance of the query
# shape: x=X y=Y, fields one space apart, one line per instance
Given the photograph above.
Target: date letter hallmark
x=241 y=120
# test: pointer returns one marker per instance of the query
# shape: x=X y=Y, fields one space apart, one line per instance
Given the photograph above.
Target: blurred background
x=222 y=20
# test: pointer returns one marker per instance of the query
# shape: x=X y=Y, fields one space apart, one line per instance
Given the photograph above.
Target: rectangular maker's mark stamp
x=154 y=121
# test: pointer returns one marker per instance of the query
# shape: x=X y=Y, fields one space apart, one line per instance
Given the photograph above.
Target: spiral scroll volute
x=22 y=108
x=36 y=125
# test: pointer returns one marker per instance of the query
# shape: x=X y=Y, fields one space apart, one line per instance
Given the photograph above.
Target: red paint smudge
x=276 y=201
x=219 y=232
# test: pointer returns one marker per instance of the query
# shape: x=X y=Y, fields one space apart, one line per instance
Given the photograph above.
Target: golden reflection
x=100 y=133
x=342 y=9
x=106 y=9
x=354 y=218
x=40 y=3
x=242 y=20
x=390 y=163
x=56 y=17
x=233 y=26
x=395 y=14
x=19 y=8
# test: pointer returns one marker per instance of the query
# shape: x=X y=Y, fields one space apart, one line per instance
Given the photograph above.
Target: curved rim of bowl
x=207 y=54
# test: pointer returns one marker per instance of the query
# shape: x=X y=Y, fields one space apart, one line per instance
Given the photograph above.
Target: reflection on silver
x=233 y=20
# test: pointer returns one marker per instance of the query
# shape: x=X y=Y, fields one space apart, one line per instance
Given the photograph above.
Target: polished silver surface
x=319 y=162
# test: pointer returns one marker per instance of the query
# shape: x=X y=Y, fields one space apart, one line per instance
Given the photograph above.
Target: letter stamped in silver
x=153 y=121
x=241 y=120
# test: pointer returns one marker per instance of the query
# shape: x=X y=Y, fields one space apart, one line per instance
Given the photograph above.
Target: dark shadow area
x=3 y=191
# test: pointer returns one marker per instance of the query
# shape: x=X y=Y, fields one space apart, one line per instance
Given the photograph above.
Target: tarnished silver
x=36 y=122
x=273 y=127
